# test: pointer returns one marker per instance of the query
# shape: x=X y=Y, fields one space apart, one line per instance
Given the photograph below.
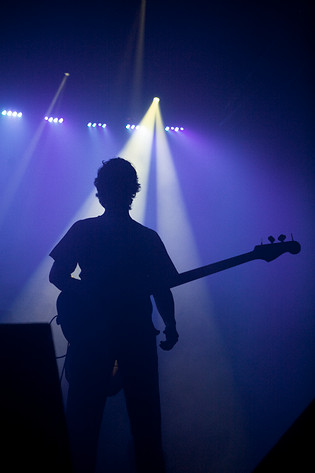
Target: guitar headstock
x=272 y=250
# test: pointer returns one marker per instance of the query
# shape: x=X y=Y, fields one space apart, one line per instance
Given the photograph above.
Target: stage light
x=132 y=127
x=174 y=128
x=94 y=125
x=53 y=119
x=156 y=99
x=9 y=113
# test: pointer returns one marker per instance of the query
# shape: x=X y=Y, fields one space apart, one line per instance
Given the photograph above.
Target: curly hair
x=116 y=183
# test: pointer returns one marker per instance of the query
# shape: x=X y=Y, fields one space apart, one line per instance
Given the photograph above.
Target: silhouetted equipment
x=33 y=429
x=72 y=312
x=295 y=449
x=268 y=253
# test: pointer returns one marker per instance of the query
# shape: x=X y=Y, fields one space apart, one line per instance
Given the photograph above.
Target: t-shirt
x=121 y=263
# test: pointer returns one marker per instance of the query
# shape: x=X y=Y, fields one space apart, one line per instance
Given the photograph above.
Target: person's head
x=117 y=184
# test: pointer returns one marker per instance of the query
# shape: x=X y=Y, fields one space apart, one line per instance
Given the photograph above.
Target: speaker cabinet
x=33 y=428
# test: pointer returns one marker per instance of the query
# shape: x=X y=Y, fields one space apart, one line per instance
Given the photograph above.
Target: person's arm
x=60 y=276
x=165 y=305
x=65 y=256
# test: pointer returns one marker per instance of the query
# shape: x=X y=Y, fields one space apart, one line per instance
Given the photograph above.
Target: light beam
x=19 y=173
x=200 y=339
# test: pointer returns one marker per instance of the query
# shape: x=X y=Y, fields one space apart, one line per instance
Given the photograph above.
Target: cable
x=61 y=356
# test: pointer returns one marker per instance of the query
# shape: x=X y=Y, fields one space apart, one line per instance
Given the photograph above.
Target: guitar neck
x=213 y=268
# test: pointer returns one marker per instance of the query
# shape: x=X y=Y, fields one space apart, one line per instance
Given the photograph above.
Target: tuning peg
x=271 y=239
x=281 y=238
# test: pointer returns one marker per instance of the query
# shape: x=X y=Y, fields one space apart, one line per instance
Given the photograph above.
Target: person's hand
x=171 y=338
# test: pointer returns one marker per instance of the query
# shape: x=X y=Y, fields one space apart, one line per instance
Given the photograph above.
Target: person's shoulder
x=145 y=232
x=142 y=228
x=87 y=223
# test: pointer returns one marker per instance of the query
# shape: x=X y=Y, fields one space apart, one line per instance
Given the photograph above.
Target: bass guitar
x=72 y=315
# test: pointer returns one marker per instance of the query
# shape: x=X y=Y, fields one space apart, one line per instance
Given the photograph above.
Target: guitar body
x=72 y=315
x=95 y=316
